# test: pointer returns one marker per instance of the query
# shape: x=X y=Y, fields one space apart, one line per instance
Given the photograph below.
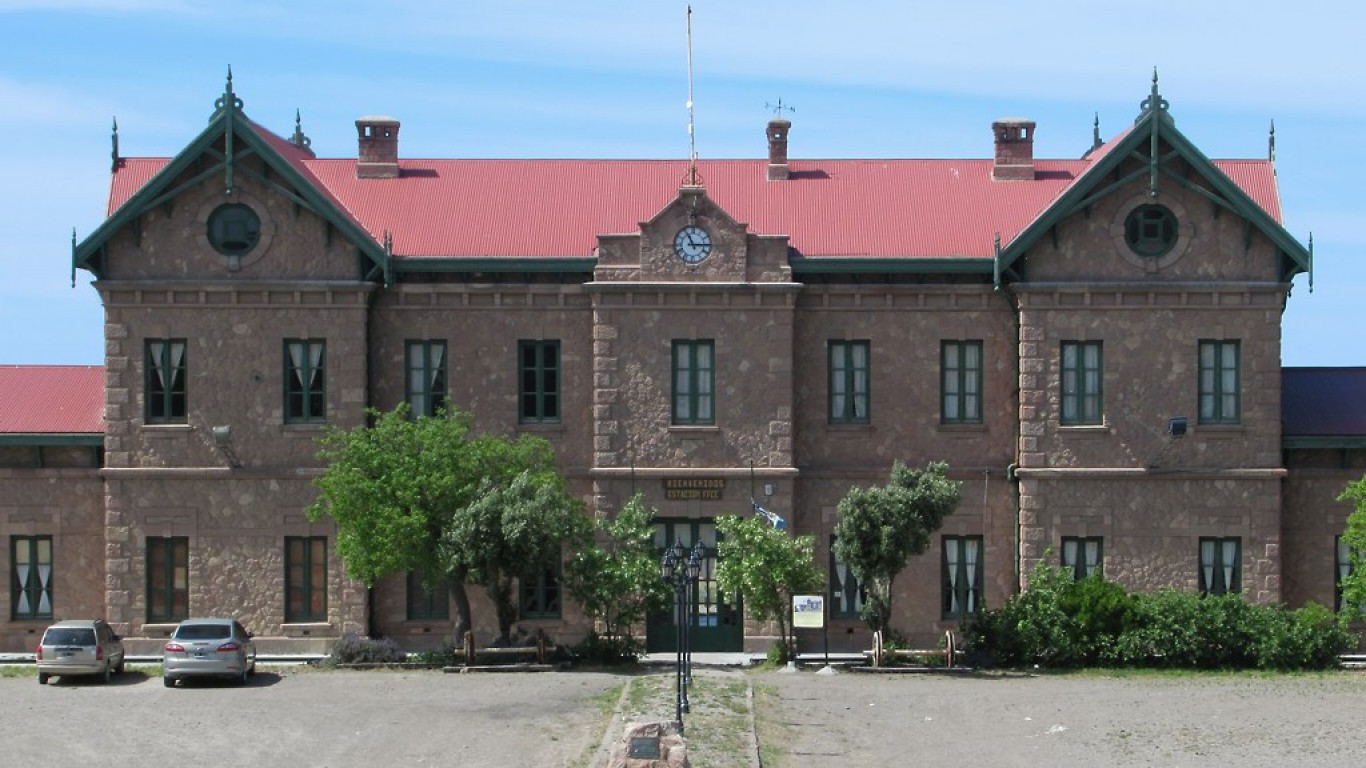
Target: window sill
x=849 y=427
x=694 y=429
x=1084 y=430
x=302 y=429
x=551 y=427
x=159 y=628
x=158 y=429
x=1220 y=430
x=305 y=629
x=971 y=428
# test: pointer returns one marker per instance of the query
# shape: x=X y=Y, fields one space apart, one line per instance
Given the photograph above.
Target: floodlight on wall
x=768 y=489
x=222 y=436
x=1176 y=426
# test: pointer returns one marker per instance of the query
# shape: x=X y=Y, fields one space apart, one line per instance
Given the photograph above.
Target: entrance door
x=715 y=621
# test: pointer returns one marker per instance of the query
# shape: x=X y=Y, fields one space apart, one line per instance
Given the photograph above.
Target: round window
x=1150 y=230
x=234 y=229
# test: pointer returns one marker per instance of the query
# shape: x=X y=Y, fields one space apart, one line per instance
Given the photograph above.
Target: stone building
x=1093 y=345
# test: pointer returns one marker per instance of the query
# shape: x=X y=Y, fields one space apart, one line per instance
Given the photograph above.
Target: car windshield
x=69 y=636
x=203 y=632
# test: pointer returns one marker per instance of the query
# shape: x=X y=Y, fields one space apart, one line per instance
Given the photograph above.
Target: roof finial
x=1271 y=143
x=114 y=165
x=228 y=100
x=299 y=139
x=1154 y=102
x=1095 y=132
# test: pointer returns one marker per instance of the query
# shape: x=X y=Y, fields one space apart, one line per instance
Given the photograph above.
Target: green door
x=715 y=622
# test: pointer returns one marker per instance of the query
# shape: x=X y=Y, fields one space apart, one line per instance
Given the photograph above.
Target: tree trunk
x=463 y=623
x=500 y=591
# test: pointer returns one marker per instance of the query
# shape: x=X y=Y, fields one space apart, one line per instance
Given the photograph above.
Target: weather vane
x=779 y=108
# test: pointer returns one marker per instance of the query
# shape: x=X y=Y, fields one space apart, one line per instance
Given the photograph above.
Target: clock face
x=692 y=244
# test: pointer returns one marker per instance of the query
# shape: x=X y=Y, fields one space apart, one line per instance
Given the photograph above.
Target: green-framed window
x=538 y=382
x=1082 y=377
x=1083 y=555
x=960 y=363
x=305 y=578
x=1220 y=385
x=428 y=598
x=541 y=595
x=425 y=382
x=694 y=379
x=305 y=380
x=1342 y=568
x=1221 y=565
x=961 y=573
x=30 y=577
x=164 y=373
x=1151 y=230
x=847 y=593
x=168 y=578
x=849 y=396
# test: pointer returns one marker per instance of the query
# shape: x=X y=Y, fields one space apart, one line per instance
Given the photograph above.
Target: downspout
x=1000 y=286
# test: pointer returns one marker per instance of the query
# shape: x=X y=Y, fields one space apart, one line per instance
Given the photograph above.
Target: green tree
x=615 y=579
x=1354 y=586
x=767 y=567
x=880 y=528
x=395 y=486
x=510 y=532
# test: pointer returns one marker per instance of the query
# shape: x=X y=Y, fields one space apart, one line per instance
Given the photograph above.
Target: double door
x=714 y=620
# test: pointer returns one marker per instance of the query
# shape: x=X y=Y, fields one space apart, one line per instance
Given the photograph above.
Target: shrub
x=609 y=651
x=351 y=648
x=778 y=654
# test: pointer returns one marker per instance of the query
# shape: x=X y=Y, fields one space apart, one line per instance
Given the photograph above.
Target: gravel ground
x=1062 y=721
x=336 y=719
x=390 y=718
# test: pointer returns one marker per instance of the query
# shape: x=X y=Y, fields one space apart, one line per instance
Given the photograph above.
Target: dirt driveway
x=1079 y=721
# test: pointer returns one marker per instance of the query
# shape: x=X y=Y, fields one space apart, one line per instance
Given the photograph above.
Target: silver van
x=79 y=647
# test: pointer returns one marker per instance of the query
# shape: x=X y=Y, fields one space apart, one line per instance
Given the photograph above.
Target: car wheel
x=242 y=678
x=168 y=681
x=119 y=668
x=108 y=674
x=42 y=678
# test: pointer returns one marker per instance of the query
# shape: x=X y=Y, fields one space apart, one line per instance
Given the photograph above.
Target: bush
x=351 y=648
x=778 y=654
x=1065 y=623
x=608 y=651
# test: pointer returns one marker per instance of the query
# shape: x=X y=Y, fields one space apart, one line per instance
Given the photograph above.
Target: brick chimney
x=1014 y=149
x=378 y=154
x=777 y=148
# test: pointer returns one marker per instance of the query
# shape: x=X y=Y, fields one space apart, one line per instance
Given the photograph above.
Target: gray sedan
x=208 y=648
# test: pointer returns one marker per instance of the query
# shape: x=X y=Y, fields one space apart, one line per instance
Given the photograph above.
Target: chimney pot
x=1014 y=149
x=377 y=156
x=777 y=132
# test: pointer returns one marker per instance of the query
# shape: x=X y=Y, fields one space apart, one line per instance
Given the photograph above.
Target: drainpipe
x=1012 y=479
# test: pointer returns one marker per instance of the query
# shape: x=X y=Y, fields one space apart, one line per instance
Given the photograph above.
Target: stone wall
x=66 y=505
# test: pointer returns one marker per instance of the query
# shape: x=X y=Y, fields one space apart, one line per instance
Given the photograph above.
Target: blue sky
x=522 y=78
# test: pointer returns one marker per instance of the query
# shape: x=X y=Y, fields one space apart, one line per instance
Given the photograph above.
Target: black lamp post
x=681 y=573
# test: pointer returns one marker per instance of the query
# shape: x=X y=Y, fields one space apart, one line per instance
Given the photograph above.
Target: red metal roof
x=557 y=208
x=51 y=399
x=1323 y=402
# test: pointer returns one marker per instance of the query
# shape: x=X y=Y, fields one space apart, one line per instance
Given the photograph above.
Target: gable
x=234 y=163
x=1154 y=164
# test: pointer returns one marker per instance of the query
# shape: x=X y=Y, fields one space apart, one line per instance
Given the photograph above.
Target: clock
x=692 y=244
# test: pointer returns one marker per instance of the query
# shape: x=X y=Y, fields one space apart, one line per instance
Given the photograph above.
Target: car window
x=203 y=632
x=69 y=636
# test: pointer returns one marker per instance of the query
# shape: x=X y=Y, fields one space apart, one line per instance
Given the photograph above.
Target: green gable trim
x=51 y=439
x=496 y=265
x=911 y=266
x=1293 y=257
x=240 y=139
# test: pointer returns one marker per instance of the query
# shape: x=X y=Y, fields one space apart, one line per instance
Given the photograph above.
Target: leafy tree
x=510 y=532
x=880 y=528
x=615 y=579
x=1354 y=586
x=395 y=486
x=767 y=567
